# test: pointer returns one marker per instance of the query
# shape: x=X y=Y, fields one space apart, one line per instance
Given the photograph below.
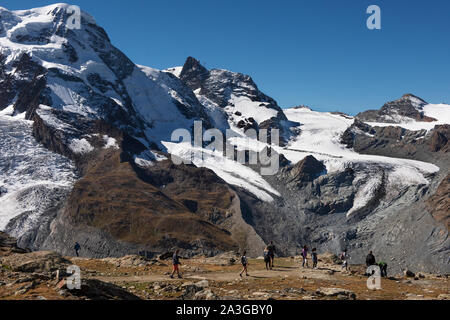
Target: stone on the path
x=409 y=273
x=206 y=294
x=202 y=284
x=335 y=292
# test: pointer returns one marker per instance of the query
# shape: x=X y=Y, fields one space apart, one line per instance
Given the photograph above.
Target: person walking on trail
x=314 y=257
x=272 y=250
x=77 y=248
x=370 y=259
x=244 y=262
x=305 y=256
x=266 y=255
x=176 y=264
x=383 y=268
x=344 y=258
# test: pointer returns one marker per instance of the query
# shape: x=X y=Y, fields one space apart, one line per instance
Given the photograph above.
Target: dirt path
x=280 y=272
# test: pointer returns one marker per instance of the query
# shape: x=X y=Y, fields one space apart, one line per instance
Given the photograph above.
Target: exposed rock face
x=8 y=245
x=408 y=106
x=439 y=140
x=439 y=203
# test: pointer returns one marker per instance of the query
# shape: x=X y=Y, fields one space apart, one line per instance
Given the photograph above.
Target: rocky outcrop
x=408 y=106
x=439 y=203
x=8 y=245
x=439 y=140
x=39 y=261
x=307 y=170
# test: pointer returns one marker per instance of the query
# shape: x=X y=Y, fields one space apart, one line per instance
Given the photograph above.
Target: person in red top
x=176 y=264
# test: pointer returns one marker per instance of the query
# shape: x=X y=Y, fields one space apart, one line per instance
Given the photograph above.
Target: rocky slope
x=86 y=134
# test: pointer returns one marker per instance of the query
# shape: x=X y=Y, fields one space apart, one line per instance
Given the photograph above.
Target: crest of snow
x=148 y=158
x=175 y=71
x=231 y=171
x=80 y=146
x=440 y=112
x=110 y=142
x=119 y=102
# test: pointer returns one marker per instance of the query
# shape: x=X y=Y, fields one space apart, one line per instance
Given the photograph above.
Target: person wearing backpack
x=383 y=268
x=314 y=258
x=266 y=255
x=77 y=248
x=344 y=257
x=244 y=262
x=176 y=264
x=272 y=250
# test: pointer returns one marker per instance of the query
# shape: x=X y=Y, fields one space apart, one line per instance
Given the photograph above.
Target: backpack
x=243 y=260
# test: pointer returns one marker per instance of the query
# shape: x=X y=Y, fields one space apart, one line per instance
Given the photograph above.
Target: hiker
x=383 y=268
x=272 y=250
x=370 y=259
x=305 y=256
x=176 y=264
x=244 y=262
x=266 y=255
x=77 y=248
x=314 y=258
x=344 y=257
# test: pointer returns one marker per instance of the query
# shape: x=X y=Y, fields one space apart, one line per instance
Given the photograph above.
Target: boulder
x=206 y=294
x=408 y=273
x=336 y=292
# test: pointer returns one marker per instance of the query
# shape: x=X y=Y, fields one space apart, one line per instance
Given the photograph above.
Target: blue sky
x=317 y=53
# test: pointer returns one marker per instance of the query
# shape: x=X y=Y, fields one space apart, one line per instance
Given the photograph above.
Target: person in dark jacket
x=176 y=264
x=244 y=262
x=370 y=259
x=272 y=250
x=314 y=258
x=77 y=248
x=383 y=268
